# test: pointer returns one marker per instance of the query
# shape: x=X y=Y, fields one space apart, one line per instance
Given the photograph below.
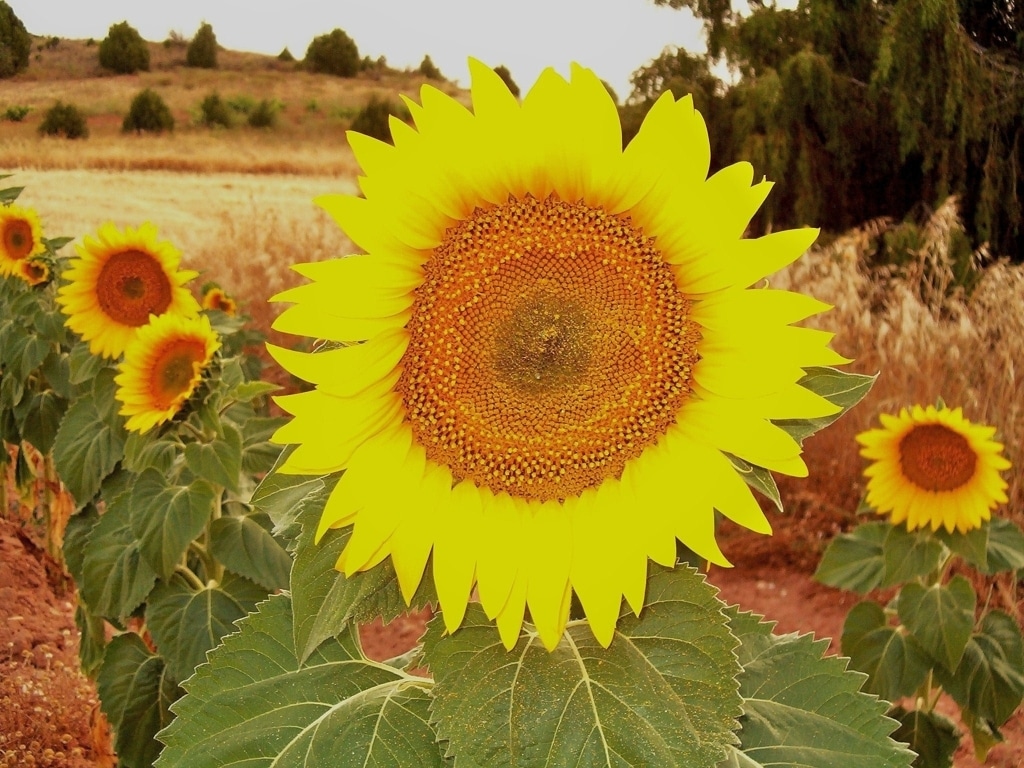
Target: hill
x=314 y=111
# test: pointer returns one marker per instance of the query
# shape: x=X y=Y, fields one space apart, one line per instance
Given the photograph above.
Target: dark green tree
x=202 y=50
x=374 y=119
x=64 y=120
x=148 y=112
x=123 y=50
x=15 y=43
x=429 y=69
x=334 y=53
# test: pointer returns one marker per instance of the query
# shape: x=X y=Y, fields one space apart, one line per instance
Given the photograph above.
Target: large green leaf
x=325 y=601
x=1005 y=546
x=90 y=442
x=934 y=737
x=219 y=461
x=971 y=546
x=940 y=618
x=117 y=577
x=135 y=694
x=186 y=623
x=662 y=694
x=255 y=705
x=41 y=422
x=855 y=560
x=166 y=518
x=283 y=496
x=142 y=452
x=247 y=548
x=990 y=679
x=908 y=554
x=838 y=387
x=894 y=663
x=803 y=709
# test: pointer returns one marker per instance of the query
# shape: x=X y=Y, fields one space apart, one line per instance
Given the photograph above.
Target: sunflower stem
x=189 y=576
x=209 y=564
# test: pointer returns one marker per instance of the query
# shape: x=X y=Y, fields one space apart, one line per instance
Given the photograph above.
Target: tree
x=123 y=50
x=148 y=112
x=15 y=43
x=429 y=70
x=335 y=53
x=202 y=50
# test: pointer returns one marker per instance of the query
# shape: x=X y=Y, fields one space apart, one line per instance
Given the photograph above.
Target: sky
x=612 y=37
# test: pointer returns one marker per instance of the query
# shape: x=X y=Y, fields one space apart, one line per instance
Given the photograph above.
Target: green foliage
x=334 y=53
x=64 y=120
x=123 y=50
x=502 y=71
x=285 y=55
x=429 y=70
x=148 y=112
x=215 y=111
x=16 y=113
x=202 y=50
x=264 y=114
x=15 y=43
x=242 y=104
x=374 y=119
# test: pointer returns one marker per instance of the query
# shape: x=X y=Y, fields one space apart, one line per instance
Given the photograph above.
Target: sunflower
x=34 y=271
x=162 y=366
x=21 y=237
x=215 y=297
x=932 y=467
x=547 y=354
x=118 y=281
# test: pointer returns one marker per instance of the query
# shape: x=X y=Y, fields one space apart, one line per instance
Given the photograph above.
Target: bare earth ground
x=49 y=714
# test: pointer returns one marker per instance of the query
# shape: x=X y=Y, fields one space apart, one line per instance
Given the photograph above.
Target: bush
x=285 y=55
x=502 y=71
x=264 y=115
x=373 y=119
x=15 y=43
x=148 y=112
x=17 y=113
x=243 y=104
x=215 y=111
x=64 y=120
x=335 y=54
x=123 y=50
x=429 y=70
x=202 y=51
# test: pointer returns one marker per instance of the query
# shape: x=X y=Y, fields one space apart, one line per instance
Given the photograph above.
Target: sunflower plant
x=936 y=477
x=554 y=364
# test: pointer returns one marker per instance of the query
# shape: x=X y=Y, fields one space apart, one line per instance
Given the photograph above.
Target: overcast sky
x=612 y=37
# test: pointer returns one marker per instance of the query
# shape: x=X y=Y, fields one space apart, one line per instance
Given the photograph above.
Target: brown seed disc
x=17 y=236
x=131 y=286
x=549 y=345
x=934 y=457
x=174 y=369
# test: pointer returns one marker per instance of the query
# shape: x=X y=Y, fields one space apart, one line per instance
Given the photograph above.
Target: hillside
x=314 y=110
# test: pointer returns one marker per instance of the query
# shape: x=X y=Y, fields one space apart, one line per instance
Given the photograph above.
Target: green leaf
x=76 y=534
x=117 y=577
x=804 y=709
x=92 y=641
x=855 y=560
x=283 y=496
x=934 y=737
x=250 y=390
x=908 y=555
x=135 y=694
x=142 y=452
x=255 y=705
x=971 y=546
x=87 y=447
x=838 y=387
x=325 y=601
x=84 y=365
x=983 y=734
x=662 y=694
x=990 y=679
x=247 y=548
x=187 y=623
x=43 y=420
x=56 y=243
x=165 y=518
x=757 y=478
x=57 y=372
x=894 y=663
x=940 y=618
x=219 y=461
x=9 y=194
x=1005 y=546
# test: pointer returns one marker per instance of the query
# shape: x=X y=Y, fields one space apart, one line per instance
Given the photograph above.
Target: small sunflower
x=162 y=366
x=215 y=297
x=548 y=352
x=932 y=467
x=34 y=271
x=21 y=237
x=119 y=279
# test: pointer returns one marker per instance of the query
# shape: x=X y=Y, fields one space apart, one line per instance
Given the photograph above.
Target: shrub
x=335 y=53
x=15 y=43
x=429 y=70
x=502 y=71
x=373 y=119
x=285 y=55
x=64 y=120
x=202 y=51
x=264 y=115
x=17 y=113
x=123 y=50
x=148 y=112
x=243 y=104
x=215 y=111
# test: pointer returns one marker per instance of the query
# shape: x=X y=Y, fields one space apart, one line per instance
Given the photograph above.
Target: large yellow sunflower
x=21 y=237
x=547 y=352
x=932 y=467
x=162 y=367
x=119 y=279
